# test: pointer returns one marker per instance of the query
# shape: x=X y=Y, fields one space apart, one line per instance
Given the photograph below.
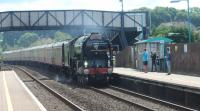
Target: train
x=86 y=59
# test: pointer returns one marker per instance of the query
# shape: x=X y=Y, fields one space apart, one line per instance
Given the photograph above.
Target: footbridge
x=120 y=27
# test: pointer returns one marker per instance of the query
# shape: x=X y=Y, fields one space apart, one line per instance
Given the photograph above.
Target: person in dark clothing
x=153 y=57
x=157 y=62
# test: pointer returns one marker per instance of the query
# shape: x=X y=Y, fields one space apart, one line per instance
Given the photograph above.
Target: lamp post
x=122 y=38
x=122 y=4
x=189 y=19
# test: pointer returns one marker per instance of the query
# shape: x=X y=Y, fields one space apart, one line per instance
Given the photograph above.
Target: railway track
x=99 y=95
x=140 y=105
x=104 y=92
x=121 y=99
x=148 y=98
x=5 y=68
x=59 y=96
x=95 y=89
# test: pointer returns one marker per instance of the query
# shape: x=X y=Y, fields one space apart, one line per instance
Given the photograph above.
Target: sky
x=110 y=5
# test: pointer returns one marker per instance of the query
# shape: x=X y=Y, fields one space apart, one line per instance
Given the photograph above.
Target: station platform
x=15 y=96
x=173 y=79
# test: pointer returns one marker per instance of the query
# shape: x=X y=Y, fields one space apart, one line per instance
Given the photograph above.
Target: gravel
x=49 y=101
x=37 y=75
x=22 y=75
x=82 y=96
x=154 y=106
x=86 y=98
x=89 y=99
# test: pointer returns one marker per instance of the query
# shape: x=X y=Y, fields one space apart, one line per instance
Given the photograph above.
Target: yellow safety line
x=9 y=103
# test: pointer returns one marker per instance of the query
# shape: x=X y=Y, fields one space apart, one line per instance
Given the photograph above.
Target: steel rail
x=121 y=99
x=62 y=98
x=179 y=107
x=5 y=68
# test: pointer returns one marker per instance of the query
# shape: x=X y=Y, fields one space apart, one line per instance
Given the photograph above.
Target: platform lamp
x=122 y=24
x=189 y=19
x=122 y=5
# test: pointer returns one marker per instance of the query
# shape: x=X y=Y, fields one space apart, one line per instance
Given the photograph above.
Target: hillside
x=22 y=39
x=172 y=23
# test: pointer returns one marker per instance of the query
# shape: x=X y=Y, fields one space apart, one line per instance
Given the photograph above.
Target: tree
x=160 y=15
x=167 y=14
x=162 y=30
x=10 y=38
x=42 y=41
x=181 y=16
x=27 y=39
x=61 y=36
x=176 y=31
x=197 y=36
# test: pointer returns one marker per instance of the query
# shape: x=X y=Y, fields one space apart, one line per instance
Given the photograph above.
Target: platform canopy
x=156 y=39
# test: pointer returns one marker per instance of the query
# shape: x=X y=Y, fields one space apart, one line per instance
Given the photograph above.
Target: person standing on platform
x=153 y=58
x=145 y=60
x=157 y=62
x=168 y=60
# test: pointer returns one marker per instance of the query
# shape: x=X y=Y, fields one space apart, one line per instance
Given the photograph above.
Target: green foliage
x=61 y=36
x=27 y=39
x=162 y=30
x=176 y=32
x=181 y=16
x=160 y=15
x=42 y=41
x=195 y=16
x=197 y=36
x=20 y=39
x=10 y=37
x=167 y=14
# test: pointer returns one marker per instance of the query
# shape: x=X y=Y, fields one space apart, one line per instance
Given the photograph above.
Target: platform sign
x=162 y=50
x=185 y=48
x=176 y=48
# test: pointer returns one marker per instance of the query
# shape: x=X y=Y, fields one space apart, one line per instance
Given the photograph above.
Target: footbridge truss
x=121 y=28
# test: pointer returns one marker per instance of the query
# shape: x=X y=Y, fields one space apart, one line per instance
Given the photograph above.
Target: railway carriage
x=86 y=59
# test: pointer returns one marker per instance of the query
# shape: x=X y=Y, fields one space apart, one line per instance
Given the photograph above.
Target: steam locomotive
x=86 y=59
